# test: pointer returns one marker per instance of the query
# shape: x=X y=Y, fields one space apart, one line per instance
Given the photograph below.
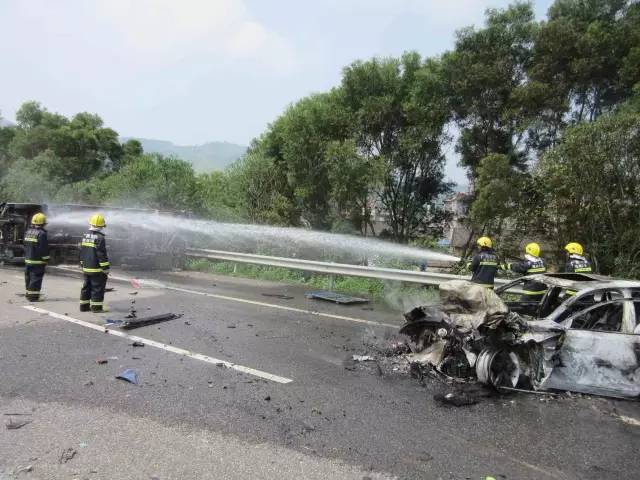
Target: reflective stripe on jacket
x=36 y=246
x=530 y=266
x=484 y=266
x=93 y=253
x=578 y=264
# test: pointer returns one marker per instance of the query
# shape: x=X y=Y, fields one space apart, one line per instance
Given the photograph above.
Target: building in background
x=456 y=233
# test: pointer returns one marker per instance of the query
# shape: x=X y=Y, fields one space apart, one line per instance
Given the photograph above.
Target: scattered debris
x=137 y=344
x=268 y=398
x=110 y=289
x=231 y=326
x=133 y=293
x=89 y=384
x=26 y=469
x=629 y=420
x=362 y=358
x=335 y=297
x=67 y=455
x=101 y=361
x=12 y=424
x=456 y=399
x=278 y=295
x=129 y=375
x=131 y=323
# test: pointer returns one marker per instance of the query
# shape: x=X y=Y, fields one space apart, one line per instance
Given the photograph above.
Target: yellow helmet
x=39 y=219
x=97 y=220
x=532 y=249
x=574 y=248
x=484 y=242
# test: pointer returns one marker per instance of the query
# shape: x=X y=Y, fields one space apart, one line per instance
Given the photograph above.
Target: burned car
x=582 y=336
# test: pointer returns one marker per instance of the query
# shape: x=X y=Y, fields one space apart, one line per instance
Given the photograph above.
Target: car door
x=599 y=353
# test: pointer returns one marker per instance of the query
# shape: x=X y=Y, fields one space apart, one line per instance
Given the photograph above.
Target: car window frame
x=569 y=320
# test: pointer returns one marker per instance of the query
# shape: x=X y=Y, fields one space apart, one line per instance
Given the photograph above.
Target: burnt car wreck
x=582 y=336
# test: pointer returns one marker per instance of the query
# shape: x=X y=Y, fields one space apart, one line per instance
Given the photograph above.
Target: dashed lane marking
x=163 y=346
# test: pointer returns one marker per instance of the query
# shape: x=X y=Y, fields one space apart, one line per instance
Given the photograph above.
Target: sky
x=194 y=71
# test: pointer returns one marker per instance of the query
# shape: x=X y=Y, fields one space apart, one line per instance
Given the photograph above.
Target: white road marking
x=168 y=348
x=250 y=302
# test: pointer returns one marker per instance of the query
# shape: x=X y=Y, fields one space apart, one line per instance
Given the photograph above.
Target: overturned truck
x=129 y=245
x=583 y=336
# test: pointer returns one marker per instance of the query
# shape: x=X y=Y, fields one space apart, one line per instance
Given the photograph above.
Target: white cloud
x=169 y=30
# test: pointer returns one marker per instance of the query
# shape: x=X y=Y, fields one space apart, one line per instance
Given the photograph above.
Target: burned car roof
x=576 y=281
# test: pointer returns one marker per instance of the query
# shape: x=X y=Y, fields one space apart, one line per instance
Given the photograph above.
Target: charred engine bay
x=472 y=338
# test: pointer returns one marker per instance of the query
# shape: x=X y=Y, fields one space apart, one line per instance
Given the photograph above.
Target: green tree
x=591 y=191
x=586 y=60
x=263 y=193
x=484 y=73
x=353 y=178
x=298 y=141
x=30 y=181
x=399 y=121
x=151 y=181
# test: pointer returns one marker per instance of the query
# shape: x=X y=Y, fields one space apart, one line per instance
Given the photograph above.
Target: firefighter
x=532 y=291
x=484 y=263
x=576 y=261
x=95 y=266
x=36 y=256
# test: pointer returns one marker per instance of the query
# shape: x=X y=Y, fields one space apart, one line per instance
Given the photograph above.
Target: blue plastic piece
x=129 y=375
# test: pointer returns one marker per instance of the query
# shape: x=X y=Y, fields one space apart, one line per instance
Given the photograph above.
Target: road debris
x=629 y=420
x=101 y=361
x=129 y=375
x=456 y=399
x=137 y=344
x=362 y=358
x=12 y=424
x=335 y=297
x=129 y=324
x=278 y=295
x=67 y=455
x=26 y=469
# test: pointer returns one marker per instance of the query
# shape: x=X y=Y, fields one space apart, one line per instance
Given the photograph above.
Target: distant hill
x=204 y=158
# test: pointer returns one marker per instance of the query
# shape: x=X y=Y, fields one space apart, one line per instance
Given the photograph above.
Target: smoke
x=261 y=239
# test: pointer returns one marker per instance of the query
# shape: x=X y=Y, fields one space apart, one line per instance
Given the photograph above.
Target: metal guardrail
x=409 y=276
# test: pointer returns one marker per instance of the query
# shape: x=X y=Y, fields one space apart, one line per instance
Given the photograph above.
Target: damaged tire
x=499 y=368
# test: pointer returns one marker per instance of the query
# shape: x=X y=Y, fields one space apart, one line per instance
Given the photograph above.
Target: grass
x=388 y=292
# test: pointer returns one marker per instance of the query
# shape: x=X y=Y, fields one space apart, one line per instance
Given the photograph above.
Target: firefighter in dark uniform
x=576 y=261
x=484 y=263
x=95 y=266
x=532 y=291
x=36 y=256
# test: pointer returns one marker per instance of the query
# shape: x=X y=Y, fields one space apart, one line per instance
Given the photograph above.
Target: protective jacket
x=577 y=264
x=529 y=266
x=93 y=253
x=484 y=266
x=36 y=246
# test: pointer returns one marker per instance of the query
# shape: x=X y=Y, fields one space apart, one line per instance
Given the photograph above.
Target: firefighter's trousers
x=92 y=293
x=33 y=275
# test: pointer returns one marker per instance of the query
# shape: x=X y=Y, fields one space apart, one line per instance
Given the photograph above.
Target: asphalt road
x=287 y=409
